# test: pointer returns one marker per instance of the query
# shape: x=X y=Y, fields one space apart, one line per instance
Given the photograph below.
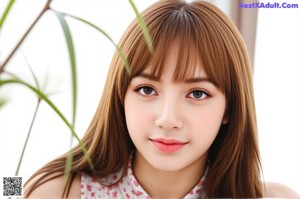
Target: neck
x=165 y=184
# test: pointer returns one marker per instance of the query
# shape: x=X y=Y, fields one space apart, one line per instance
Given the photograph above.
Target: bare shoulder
x=54 y=188
x=279 y=190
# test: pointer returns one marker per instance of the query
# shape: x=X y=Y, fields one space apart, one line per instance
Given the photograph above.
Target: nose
x=169 y=115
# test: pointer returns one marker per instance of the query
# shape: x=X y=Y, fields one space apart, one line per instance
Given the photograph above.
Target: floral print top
x=128 y=187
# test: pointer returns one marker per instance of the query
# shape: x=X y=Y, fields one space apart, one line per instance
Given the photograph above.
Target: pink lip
x=168 y=145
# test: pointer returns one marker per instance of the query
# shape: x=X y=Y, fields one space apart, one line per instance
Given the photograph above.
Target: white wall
x=276 y=72
x=277 y=92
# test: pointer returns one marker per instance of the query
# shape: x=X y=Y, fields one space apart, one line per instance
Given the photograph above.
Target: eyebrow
x=190 y=80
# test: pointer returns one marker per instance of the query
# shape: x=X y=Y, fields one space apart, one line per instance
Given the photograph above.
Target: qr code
x=12 y=186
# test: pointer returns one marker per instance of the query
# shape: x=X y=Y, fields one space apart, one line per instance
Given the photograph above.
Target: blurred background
x=272 y=37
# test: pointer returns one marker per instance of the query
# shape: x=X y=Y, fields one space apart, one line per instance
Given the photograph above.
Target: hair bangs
x=169 y=29
x=198 y=41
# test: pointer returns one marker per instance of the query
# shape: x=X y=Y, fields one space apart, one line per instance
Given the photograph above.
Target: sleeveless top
x=128 y=187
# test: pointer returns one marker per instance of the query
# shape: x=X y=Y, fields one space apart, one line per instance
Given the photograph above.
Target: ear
x=225 y=119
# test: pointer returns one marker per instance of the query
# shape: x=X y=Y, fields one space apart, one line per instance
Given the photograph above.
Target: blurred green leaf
x=12 y=75
x=108 y=37
x=46 y=82
x=68 y=167
x=6 y=11
x=27 y=137
x=32 y=73
x=3 y=101
x=70 y=45
x=143 y=26
x=33 y=118
x=42 y=96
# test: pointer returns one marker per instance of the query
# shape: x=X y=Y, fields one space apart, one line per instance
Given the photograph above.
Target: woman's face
x=172 y=125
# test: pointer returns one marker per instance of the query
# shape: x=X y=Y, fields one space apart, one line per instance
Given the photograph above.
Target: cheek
x=137 y=115
x=206 y=122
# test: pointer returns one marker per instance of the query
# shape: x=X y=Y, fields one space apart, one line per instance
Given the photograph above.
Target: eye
x=198 y=95
x=146 y=91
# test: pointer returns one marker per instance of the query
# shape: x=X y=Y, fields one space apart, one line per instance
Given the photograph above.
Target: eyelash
x=138 y=90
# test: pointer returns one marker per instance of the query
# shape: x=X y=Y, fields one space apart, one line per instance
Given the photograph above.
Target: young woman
x=182 y=124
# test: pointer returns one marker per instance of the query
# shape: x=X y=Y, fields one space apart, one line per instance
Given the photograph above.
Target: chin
x=167 y=165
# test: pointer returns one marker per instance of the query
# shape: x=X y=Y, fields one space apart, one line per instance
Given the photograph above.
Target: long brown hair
x=201 y=29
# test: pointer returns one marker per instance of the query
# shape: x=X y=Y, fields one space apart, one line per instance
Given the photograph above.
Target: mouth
x=168 y=145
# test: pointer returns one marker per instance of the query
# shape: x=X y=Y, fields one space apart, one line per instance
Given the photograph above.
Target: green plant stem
x=70 y=45
x=56 y=110
x=28 y=135
x=46 y=7
x=127 y=66
x=143 y=26
x=8 y=8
